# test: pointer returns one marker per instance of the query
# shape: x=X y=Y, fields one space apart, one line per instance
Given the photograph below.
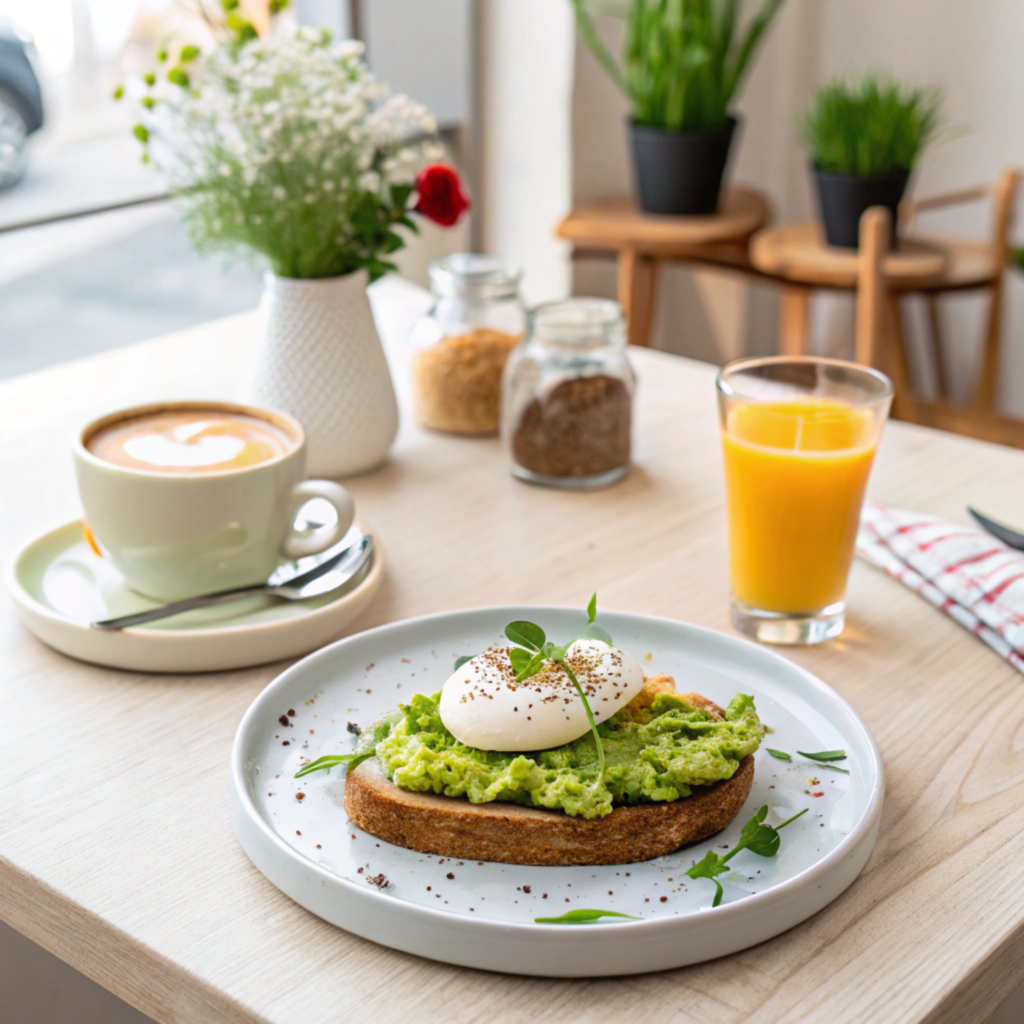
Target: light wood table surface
x=116 y=849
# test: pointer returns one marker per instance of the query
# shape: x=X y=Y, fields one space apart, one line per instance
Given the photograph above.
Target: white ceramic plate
x=481 y=914
x=60 y=585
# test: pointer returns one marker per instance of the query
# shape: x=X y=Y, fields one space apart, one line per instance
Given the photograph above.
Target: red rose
x=440 y=195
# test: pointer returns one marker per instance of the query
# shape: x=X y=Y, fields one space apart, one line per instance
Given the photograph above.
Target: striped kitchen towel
x=966 y=573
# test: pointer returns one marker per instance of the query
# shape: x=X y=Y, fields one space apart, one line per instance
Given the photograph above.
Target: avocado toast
x=551 y=754
x=512 y=833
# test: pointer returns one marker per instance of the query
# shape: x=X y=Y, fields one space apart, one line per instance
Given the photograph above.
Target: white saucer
x=60 y=585
x=482 y=914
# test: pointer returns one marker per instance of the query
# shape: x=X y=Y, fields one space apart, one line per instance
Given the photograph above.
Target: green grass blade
x=589 y=34
x=582 y=917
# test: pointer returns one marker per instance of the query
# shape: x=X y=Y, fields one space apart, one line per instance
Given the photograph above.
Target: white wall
x=526 y=84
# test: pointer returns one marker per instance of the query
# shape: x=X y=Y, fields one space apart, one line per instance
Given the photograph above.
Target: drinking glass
x=799 y=436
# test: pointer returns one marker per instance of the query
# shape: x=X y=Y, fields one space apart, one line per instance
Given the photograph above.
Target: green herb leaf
x=149 y=78
x=118 y=92
x=780 y=754
x=835 y=768
x=582 y=917
x=593 y=632
x=531 y=668
x=592 y=608
x=178 y=76
x=708 y=867
x=459 y=662
x=141 y=132
x=520 y=658
x=188 y=52
x=526 y=634
x=825 y=755
x=755 y=836
x=332 y=760
x=161 y=55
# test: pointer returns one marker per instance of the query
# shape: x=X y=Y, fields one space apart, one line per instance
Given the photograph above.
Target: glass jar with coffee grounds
x=462 y=343
x=567 y=398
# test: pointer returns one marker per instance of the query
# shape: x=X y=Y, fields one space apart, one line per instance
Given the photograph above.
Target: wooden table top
x=618 y=224
x=116 y=849
x=799 y=254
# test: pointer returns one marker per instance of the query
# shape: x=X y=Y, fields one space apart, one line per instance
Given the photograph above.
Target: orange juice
x=795 y=474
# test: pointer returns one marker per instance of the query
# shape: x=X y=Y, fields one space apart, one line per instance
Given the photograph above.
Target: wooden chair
x=796 y=256
x=878 y=338
x=972 y=265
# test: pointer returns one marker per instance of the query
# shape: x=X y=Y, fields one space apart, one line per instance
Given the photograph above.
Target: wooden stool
x=643 y=240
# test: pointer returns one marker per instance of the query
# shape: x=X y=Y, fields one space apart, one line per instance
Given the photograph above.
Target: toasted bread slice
x=513 y=834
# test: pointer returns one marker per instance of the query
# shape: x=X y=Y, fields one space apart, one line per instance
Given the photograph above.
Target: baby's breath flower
x=278 y=126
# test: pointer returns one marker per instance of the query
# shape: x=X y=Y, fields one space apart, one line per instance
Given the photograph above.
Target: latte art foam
x=195 y=441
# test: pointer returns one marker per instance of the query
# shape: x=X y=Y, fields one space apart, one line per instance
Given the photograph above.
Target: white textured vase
x=322 y=361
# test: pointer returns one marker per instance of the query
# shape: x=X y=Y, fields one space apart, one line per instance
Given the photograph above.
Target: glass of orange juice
x=799 y=436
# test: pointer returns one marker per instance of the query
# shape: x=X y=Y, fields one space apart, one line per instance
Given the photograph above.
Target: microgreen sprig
x=534 y=649
x=823 y=758
x=582 y=917
x=756 y=836
x=330 y=761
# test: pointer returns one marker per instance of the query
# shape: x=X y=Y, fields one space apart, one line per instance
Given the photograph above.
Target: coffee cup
x=189 y=498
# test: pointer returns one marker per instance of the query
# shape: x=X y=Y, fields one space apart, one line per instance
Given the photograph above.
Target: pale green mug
x=177 y=535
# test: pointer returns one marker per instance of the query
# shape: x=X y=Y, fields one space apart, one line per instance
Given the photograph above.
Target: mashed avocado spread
x=655 y=754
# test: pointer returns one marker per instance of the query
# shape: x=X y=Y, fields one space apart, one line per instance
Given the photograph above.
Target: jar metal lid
x=579 y=321
x=472 y=274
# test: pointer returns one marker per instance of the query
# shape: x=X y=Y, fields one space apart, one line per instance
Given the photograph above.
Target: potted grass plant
x=683 y=62
x=865 y=136
x=280 y=145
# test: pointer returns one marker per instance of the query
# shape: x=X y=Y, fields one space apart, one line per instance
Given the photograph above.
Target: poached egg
x=483 y=706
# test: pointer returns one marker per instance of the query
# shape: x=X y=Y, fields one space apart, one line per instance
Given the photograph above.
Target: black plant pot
x=844 y=198
x=680 y=172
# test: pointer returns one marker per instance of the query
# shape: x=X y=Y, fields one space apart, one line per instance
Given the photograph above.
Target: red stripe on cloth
x=908 y=527
x=953 y=566
x=991 y=595
x=925 y=545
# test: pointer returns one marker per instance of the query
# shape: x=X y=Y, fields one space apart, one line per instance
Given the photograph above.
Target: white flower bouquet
x=287 y=146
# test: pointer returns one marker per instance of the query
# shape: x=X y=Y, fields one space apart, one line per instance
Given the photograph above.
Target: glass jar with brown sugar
x=461 y=345
x=567 y=399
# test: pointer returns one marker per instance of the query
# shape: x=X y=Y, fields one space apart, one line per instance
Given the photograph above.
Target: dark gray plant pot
x=680 y=172
x=843 y=198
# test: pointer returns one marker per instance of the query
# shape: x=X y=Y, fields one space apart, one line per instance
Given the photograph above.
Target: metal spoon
x=1000 y=532
x=287 y=582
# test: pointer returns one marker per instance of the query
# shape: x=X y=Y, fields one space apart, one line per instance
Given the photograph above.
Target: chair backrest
x=1002 y=192
x=873 y=244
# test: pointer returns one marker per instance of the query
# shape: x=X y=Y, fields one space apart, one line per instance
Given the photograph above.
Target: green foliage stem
x=683 y=61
